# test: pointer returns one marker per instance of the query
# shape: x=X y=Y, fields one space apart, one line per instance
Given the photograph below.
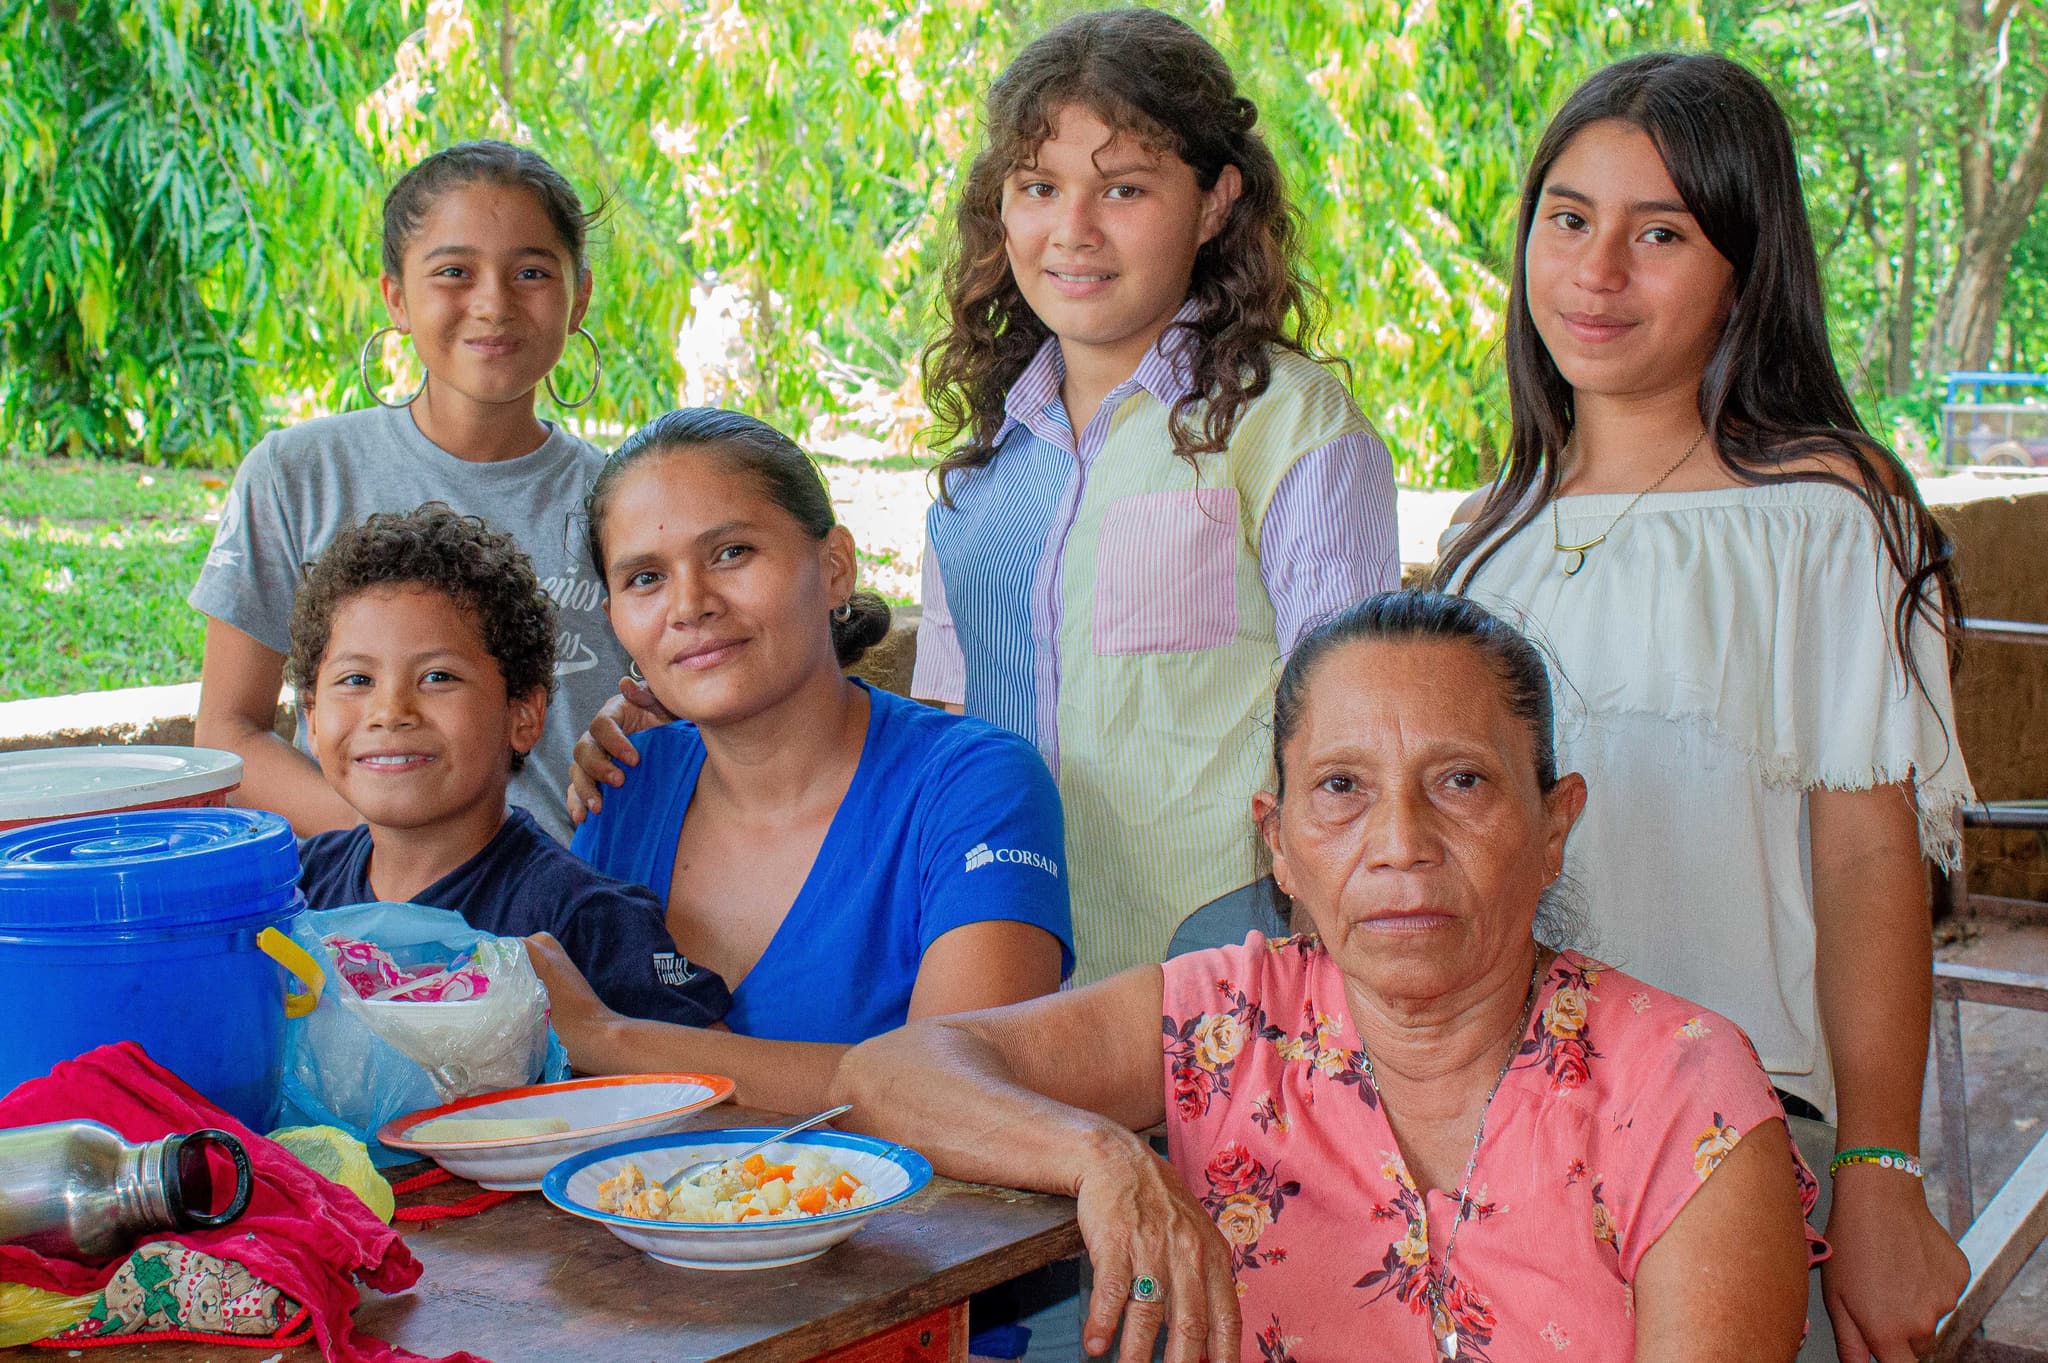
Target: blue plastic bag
x=341 y=1071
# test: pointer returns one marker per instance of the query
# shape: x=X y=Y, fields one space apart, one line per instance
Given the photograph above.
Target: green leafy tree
x=1924 y=136
x=798 y=161
x=179 y=205
x=188 y=206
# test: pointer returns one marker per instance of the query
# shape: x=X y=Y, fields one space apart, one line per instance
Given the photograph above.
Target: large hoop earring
x=363 y=368
x=596 y=376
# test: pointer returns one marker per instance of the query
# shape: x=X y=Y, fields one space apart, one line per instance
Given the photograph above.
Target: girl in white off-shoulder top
x=1746 y=604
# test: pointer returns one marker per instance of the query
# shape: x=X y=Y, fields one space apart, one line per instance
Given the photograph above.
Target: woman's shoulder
x=1317 y=384
x=1630 y=1034
x=935 y=740
x=1304 y=405
x=666 y=743
x=1276 y=974
x=1755 y=561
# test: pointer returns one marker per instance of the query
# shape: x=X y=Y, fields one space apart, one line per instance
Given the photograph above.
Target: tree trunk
x=1898 y=370
x=1966 y=323
x=1973 y=111
x=508 y=36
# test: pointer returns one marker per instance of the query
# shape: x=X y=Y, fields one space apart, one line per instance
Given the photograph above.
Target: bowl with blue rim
x=888 y=1175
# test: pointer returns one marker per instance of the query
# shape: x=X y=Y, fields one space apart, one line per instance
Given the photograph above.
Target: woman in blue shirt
x=845 y=858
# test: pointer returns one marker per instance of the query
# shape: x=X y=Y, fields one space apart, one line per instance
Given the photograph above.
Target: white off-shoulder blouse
x=1721 y=654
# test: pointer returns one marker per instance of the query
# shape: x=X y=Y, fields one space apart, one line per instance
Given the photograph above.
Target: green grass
x=95 y=561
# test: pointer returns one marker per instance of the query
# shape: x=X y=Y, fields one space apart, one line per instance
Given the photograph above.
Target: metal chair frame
x=2013 y=1224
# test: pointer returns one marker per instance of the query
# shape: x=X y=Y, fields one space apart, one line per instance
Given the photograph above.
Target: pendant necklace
x=1575 y=554
x=1441 y=1327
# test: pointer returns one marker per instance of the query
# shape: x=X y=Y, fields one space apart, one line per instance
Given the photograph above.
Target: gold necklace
x=1575 y=554
x=1442 y=1327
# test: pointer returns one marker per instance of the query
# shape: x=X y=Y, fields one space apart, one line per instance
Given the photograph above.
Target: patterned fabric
x=166 y=1287
x=1127 y=614
x=1620 y=1103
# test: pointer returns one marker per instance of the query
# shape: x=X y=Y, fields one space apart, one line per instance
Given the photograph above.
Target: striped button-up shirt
x=1108 y=602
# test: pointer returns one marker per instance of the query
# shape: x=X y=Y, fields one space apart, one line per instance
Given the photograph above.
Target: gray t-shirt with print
x=301 y=485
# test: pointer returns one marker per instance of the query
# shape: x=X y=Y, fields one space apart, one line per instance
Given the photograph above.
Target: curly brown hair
x=482 y=570
x=1150 y=75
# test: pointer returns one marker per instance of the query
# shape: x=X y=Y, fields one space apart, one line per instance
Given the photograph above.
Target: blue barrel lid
x=144 y=871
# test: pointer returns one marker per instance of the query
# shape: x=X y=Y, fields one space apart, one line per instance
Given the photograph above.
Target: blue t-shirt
x=522 y=882
x=949 y=821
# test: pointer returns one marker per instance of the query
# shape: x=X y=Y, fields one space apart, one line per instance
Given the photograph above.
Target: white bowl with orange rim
x=511 y=1138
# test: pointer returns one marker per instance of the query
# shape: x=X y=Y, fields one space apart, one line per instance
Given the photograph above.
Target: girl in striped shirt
x=1151 y=485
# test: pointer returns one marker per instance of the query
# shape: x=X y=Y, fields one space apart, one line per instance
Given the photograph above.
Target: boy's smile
x=409 y=717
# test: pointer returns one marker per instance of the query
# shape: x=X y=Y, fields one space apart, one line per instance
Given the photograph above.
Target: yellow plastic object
x=337 y=1155
x=303 y=967
x=28 y=1314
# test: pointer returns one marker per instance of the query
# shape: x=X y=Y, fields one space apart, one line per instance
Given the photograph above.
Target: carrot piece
x=811 y=1200
x=770 y=1173
x=753 y=1164
x=844 y=1187
x=746 y=1212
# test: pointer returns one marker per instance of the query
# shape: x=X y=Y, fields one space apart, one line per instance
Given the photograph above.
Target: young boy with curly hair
x=423 y=651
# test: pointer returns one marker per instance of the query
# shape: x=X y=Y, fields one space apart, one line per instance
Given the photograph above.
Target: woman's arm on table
x=1895 y=1272
x=976 y=966
x=1047 y=1094
x=782 y=1076
x=239 y=681
x=1727 y=1278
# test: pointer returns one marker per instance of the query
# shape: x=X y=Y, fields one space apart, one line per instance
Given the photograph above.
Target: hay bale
x=2001 y=690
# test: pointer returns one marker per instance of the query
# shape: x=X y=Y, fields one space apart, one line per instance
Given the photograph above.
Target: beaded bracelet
x=1882 y=1156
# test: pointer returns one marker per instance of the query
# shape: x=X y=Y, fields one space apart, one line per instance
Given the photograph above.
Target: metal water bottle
x=78 y=1190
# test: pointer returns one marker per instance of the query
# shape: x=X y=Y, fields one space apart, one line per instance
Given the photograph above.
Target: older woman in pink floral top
x=1619 y=1102
x=1420 y=1133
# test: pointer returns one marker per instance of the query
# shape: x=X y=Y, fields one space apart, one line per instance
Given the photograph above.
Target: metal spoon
x=690 y=1173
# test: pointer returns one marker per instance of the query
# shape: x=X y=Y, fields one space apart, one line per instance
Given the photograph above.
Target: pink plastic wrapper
x=373 y=974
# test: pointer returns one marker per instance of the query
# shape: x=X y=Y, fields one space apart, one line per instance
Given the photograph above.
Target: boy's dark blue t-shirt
x=522 y=882
x=949 y=821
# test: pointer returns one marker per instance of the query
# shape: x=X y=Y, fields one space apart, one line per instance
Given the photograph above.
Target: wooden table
x=525 y=1281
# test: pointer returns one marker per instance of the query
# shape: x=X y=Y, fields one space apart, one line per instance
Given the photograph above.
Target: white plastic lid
x=56 y=783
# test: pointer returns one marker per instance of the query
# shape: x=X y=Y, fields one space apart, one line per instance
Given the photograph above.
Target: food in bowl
x=775 y=1185
x=890 y=1173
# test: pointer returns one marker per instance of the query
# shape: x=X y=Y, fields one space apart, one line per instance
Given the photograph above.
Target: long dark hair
x=784 y=473
x=1770 y=395
x=1149 y=75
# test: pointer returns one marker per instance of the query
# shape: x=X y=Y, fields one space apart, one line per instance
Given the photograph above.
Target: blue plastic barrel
x=143 y=927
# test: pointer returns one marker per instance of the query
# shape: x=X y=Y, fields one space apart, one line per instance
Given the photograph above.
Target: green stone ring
x=1147 y=1288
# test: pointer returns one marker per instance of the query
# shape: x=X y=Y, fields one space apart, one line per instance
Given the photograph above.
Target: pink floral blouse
x=1621 y=1102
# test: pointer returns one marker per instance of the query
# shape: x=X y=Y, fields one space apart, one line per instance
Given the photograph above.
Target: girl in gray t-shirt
x=484 y=267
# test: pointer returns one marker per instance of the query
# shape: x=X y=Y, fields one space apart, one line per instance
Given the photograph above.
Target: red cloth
x=303 y=1234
